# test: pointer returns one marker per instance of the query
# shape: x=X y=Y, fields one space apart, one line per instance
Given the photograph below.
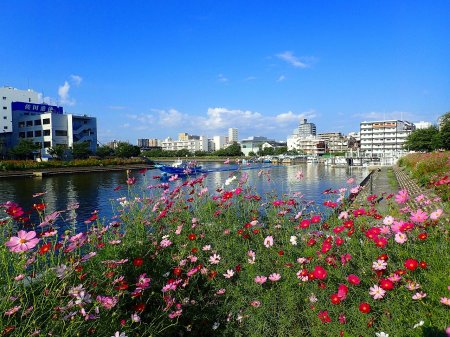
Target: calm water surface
x=95 y=191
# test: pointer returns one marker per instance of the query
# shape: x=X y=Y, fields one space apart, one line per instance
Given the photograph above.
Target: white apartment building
x=192 y=145
x=384 y=138
x=9 y=95
x=422 y=125
x=219 y=142
x=232 y=135
x=253 y=144
x=309 y=145
x=23 y=117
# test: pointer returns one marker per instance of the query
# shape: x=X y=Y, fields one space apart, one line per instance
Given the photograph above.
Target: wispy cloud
x=376 y=115
x=250 y=78
x=281 y=78
x=290 y=58
x=222 y=78
x=292 y=118
x=117 y=107
x=76 y=79
x=63 y=93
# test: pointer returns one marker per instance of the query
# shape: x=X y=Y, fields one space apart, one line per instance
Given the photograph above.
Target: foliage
x=104 y=151
x=178 y=261
x=445 y=131
x=81 y=150
x=270 y=151
x=126 y=150
x=230 y=151
x=57 y=151
x=24 y=150
x=423 y=140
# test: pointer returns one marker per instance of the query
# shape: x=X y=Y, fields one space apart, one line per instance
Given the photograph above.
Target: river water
x=99 y=190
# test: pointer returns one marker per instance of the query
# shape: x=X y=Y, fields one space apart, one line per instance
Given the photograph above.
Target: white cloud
x=63 y=93
x=222 y=78
x=76 y=79
x=289 y=57
x=292 y=118
x=250 y=78
x=281 y=78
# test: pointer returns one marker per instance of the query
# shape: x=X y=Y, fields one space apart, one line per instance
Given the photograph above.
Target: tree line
x=432 y=138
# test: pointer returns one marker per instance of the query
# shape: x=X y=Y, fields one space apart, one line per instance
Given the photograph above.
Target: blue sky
x=152 y=69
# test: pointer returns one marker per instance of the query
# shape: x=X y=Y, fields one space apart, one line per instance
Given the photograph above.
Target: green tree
x=24 y=150
x=444 y=131
x=183 y=153
x=81 y=150
x=104 y=151
x=126 y=150
x=57 y=151
x=423 y=140
x=234 y=150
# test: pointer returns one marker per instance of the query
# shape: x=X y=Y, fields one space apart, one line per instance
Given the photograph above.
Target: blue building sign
x=36 y=108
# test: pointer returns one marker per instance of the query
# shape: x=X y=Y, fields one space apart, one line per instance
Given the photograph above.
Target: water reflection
x=95 y=191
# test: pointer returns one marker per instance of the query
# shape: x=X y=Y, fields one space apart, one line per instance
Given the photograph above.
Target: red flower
x=423 y=264
x=315 y=219
x=45 y=248
x=177 y=271
x=281 y=253
x=319 y=273
x=194 y=250
x=422 y=236
x=335 y=299
x=386 y=284
x=324 y=317
x=411 y=264
x=383 y=257
x=39 y=207
x=364 y=308
x=137 y=262
x=192 y=236
x=348 y=224
x=139 y=307
x=353 y=279
x=305 y=223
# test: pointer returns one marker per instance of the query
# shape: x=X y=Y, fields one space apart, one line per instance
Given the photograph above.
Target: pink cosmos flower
x=255 y=303
x=389 y=220
x=22 y=242
x=402 y=196
x=274 y=277
x=419 y=295
x=436 y=214
x=419 y=216
x=214 y=259
x=268 y=241
x=379 y=265
x=350 y=180
x=260 y=279
x=12 y=311
x=107 y=302
x=400 y=238
x=229 y=273
x=445 y=300
x=377 y=292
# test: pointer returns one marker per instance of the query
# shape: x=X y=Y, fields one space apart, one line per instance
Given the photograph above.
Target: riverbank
x=31 y=173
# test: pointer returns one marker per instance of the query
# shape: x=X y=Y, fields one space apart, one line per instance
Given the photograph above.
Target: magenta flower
x=274 y=277
x=419 y=216
x=107 y=302
x=401 y=197
x=22 y=242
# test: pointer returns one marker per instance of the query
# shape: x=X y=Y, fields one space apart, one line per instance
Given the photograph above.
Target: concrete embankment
x=70 y=170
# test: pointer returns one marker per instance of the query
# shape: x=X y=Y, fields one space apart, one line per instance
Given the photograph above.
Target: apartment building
x=336 y=142
x=384 y=138
x=192 y=145
x=309 y=145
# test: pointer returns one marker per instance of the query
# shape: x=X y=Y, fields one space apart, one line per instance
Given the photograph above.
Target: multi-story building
x=45 y=125
x=148 y=143
x=232 y=135
x=335 y=141
x=192 y=145
x=306 y=129
x=309 y=145
x=384 y=138
x=253 y=144
x=422 y=125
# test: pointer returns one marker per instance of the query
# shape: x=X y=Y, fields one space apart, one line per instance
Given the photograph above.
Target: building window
x=46 y=121
x=4 y=117
x=60 y=133
x=46 y=132
x=21 y=124
x=38 y=133
x=5 y=128
x=4 y=97
x=47 y=144
x=38 y=144
x=5 y=107
x=29 y=123
x=21 y=134
x=37 y=122
x=29 y=134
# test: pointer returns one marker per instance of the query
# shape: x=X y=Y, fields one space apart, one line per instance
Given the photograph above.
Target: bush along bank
x=181 y=260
